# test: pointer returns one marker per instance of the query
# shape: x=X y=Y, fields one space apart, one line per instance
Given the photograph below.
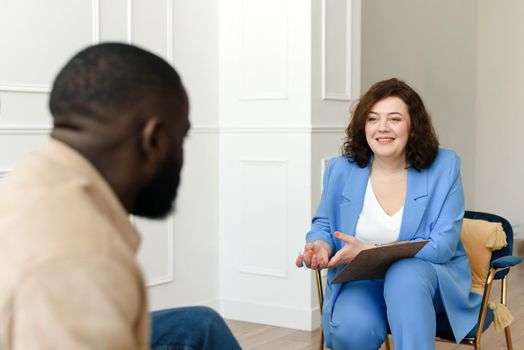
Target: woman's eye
x=372 y=119
x=395 y=120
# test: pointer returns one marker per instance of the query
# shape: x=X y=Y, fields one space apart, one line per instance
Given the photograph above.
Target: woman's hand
x=349 y=251
x=316 y=255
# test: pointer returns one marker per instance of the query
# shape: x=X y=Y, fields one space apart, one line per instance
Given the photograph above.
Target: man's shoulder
x=43 y=223
x=52 y=203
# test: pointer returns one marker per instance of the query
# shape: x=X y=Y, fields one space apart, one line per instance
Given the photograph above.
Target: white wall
x=180 y=254
x=265 y=124
x=276 y=125
x=195 y=56
x=432 y=46
x=336 y=33
x=500 y=119
x=465 y=58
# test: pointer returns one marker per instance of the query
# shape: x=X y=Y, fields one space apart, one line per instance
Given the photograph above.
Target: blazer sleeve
x=445 y=231
x=321 y=227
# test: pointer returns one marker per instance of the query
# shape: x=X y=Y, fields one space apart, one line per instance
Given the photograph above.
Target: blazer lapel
x=415 y=204
x=353 y=199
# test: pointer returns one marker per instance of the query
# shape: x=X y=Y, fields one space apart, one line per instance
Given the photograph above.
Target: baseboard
x=274 y=315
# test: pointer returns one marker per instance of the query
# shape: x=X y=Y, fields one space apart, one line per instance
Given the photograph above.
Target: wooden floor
x=254 y=336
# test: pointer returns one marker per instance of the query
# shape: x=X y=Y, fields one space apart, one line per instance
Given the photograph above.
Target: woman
x=393 y=183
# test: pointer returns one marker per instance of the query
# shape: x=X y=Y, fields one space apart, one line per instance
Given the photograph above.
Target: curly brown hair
x=422 y=146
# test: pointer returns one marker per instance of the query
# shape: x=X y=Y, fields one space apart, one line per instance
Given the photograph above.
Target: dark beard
x=155 y=199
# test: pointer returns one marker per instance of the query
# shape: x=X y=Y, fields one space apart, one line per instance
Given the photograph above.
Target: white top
x=374 y=225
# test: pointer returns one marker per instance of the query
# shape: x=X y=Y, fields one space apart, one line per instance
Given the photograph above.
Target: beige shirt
x=68 y=274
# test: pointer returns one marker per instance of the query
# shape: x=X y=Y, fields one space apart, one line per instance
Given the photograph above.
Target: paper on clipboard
x=374 y=262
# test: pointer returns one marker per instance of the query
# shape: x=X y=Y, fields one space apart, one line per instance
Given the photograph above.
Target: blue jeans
x=190 y=328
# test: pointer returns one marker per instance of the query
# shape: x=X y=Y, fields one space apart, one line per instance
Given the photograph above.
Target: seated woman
x=392 y=183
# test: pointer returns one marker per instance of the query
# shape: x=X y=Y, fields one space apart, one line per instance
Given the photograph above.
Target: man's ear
x=154 y=141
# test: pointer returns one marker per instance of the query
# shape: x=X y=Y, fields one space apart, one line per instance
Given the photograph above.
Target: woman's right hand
x=316 y=255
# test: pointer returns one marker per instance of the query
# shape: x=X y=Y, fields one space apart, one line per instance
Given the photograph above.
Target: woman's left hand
x=352 y=247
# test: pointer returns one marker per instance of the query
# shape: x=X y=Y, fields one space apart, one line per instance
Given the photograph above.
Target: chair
x=500 y=263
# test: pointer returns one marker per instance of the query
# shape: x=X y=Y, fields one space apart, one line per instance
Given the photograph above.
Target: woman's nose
x=383 y=126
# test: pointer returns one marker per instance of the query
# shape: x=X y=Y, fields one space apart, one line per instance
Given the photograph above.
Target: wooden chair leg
x=320 y=294
x=509 y=343
x=321 y=342
x=503 y=300
x=387 y=343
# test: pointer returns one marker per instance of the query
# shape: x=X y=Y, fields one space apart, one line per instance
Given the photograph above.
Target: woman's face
x=387 y=128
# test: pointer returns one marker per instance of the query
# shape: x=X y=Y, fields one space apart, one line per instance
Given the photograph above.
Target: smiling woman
x=387 y=129
x=393 y=183
x=398 y=101
x=387 y=133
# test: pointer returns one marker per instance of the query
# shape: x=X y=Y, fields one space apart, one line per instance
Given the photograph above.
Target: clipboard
x=374 y=262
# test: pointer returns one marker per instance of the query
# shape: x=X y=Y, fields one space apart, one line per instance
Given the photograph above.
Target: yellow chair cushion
x=480 y=238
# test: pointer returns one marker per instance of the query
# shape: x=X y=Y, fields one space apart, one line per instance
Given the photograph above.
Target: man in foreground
x=68 y=274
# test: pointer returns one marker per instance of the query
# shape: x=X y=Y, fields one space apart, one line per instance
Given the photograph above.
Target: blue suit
x=433 y=210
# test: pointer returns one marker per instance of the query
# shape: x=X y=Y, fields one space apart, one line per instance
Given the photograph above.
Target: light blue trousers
x=407 y=297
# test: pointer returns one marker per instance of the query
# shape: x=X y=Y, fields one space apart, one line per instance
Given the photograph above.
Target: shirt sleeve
x=89 y=303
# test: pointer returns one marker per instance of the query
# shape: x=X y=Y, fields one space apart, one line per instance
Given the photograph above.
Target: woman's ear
x=154 y=143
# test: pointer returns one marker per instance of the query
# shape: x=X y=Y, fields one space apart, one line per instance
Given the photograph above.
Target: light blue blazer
x=433 y=210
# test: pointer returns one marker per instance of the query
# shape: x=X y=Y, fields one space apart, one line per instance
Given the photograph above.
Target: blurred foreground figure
x=68 y=274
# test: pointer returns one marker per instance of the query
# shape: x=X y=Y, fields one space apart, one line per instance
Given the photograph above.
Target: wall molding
x=195 y=129
x=46 y=88
x=276 y=315
x=282 y=129
x=28 y=88
x=266 y=129
x=129 y=19
x=257 y=271
x=169 y=31
x=245 y=97
x=95 y=21
x=22 y=129
x=324 y=161
x=327 y=129
x=169 y=276
x=169 y=27
x=282 y=164
x=516 y=230
x=42 y=129
x=346 y=96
